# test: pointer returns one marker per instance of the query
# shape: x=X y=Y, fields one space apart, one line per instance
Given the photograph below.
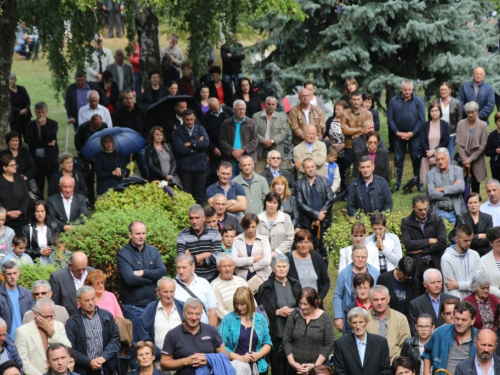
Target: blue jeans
x=450 y=216
x=236 y=170
x=133 y=313
x=451 y=148
x=232 y=79
x=399 y=156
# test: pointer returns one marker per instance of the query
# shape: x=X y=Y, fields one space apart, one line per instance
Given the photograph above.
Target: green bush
x=29 y=273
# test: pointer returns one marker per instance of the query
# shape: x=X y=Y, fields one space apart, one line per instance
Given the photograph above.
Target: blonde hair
x=244 y=295
x=282 y=180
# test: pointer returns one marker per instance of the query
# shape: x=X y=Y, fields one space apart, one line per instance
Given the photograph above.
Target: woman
x=358 y=237
x=402 y=366
x=25 y=164
x=112 y=91
x=109 y=165
x=144 y=352
x=447 y=310
x=487 y=263
x=280 y=186
x=160 y=157
x=451 y=110
x=220 y=89
x=246 y=93
x=20 y=113
x=245 y=332
x=493 y=149
x=379 y=156
x=278 y=297
x=368 y=105
x=104 y=299
x=276 y=225
x=435 y=133
x=251 y=251
x=472 y=136
x=135 y=61
x=14 y=195
x=203 y=99
x=361 y=283
x=39 y=232
x=486 y=303
x=335 y=136
x=350 y=86
x=66 y=164
x=307 y=265
x=172 y=88
x=309 y=337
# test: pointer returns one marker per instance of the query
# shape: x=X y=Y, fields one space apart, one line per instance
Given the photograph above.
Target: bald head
x=310 y=133
x=304 y=97
x=78 y=264
x=213 y=104
x=486 y=344
x=67 y=186
x=478 y=75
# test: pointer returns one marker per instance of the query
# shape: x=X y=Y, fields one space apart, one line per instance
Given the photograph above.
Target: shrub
x=29 y=273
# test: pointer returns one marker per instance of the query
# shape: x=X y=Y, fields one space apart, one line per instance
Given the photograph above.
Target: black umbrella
x=159 y=112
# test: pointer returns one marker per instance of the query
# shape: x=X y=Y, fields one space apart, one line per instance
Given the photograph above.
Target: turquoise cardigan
x=230 y=328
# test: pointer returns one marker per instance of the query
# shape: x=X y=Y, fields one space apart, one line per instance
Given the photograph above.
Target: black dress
x=253 y=106
x=25 y=163
x=19 y=100
x=105 y=164
x=14 y=197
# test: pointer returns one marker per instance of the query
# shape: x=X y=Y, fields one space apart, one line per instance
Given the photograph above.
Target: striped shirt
x=93 y=333
x=224 y=292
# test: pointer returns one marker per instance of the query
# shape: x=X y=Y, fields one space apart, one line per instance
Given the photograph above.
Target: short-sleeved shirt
x=200 y=288
x=180 y=343
x=235 y=190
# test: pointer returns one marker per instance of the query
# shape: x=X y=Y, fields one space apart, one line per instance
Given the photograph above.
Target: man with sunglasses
x=273 y=169
x=41 y=289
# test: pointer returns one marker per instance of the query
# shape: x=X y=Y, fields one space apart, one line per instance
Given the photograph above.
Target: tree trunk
x=8 y=23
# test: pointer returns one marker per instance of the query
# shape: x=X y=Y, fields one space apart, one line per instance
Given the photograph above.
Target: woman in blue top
x=236 y=327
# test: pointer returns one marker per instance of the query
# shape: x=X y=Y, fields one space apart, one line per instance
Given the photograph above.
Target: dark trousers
x=43 y=172
x=475 y=185
x=194 y=184
x=115 y=23
x=212 y=174
x=495 y=173
x=277 y=367
x=400 y=153
x=421 y=268
x=133 y=313
x=344 y=164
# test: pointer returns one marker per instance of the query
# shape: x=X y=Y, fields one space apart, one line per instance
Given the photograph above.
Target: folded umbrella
x=127 y=141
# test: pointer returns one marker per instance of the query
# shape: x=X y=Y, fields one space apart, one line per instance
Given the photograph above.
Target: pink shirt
x=110 y=303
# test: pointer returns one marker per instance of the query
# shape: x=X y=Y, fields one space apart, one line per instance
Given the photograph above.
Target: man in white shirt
x=87 y=111
x=387 y=244
x=492 y=206
x=101 y=58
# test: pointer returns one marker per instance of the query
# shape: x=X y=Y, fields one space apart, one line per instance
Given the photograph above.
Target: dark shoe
x=421 y=188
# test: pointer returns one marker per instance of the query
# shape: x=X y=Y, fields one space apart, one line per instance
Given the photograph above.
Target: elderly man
x=66 y=282
x=359 y=144
x=41 y=289
x=160 y=317
x=304 y=113
x=273 y=169
x=94 y=336
x=57 y=360
x=67 y=209
x=273 y=130
x=485 y=361
x=239 y=136
x=8 y=351
x=361 y=352
x=387 y=322
x=185 y=345
x=405 y=117
x=310 y=148
x=255 y=185
x=100 y=59
x=219 y=202
x=93 y=107
x=445 y=187
x=189 y=284
x=226 y=284
x=492 y=205
x=234 y=192
x=32 y=338
x=123 y=74
x=480 y=92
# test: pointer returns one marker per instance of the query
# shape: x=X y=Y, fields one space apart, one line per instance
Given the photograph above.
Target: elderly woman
x=25 y=164
x=280 y=186
x=276 y=225
x=104 y=299
x=278 y=296
x=251 y=251
x=245 y=92
x=109 y=165
x=358 y=237
x=14 y=195
x=472 y=136
x=20 y=113
x=379 y=156
x=309 y=336
x=362 y=283
x=66 y=164
x=447 y=310
x=488 y=263
x=245 y=332
x=160 y=156
x=144 y=352
x=486 y=303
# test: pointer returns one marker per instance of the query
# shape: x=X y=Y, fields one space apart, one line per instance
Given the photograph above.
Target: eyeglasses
x=40 y=294
x=448 y=313
x=303 y=243
x=275 y=158
x=423 y=327
x=46 y=317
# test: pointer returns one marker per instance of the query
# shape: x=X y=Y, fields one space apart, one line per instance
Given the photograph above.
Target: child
x=60 y=255
x=211 y=217
x=19 y=244
x=228 y=235
x=333 y=168
x=6 y=235
x=71 y=359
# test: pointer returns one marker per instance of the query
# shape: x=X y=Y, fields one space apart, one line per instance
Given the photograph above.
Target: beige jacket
x=318 y=154
x=261 y=246
x=473 y=148
x=351 y=124
x=298 y=121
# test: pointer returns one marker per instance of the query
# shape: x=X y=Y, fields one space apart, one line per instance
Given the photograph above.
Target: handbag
x=33 y=190
x=254 y=283
x=458 y=159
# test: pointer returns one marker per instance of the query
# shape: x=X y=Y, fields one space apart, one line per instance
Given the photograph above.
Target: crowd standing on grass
x=252 y=267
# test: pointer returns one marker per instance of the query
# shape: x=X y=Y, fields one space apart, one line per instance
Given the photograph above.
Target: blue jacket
x=146 y=329
x=343 y=290
x=378 y=191
x=25 y=303
x=190 y=158
x=217 y=363
x=417 y=110
x=12 y=351
x=485 y=98
x=438 y=347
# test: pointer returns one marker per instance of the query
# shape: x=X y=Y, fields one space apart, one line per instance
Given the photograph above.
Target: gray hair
x=41 y=283
x=239 y=101
x=2 y=323
x=358 y=311
x=270 y=97
x=184 y=256
x=471 y=107
x=164 y=279
x=269 y=154
x=378 y=289
x=443 y=150
x=244 y=157
x=12 y=75
x=365 y=122
x=84 y=290
x=280 y=258
x=479 y=279
x=492 y=181
x=196 y=209
x=192 y=303
x=41 y=106
x=63 y=157
x=359 y=246
x=219 y=195
x=223 y=256
x=60 y=180
x=431 y=271
x=10 y=264
x=43 y=302
x=93 y=92
x=406 y=82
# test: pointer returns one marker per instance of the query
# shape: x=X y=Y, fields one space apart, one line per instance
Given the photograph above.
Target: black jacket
x=212 y=125
x=253 y=105
x=226 y=89
x=30 y=232
x=48 y=134
x=485 y=222
x=290 y=207
x=193 y=82
x=268 y=175
x=379 y=192
x=191 y=158
x=58 y=214
x=413 y=290
x=147 y=97
x=320 y=269
x=422 y=305
x=14 y=197
x=491 y=149
x=381 y=163
x=133 y=119
x=411 y=350
x=231 y=65
x=83 y=134
x=153 y=162
x=468 y=366
x=25 y=164
x=302 y=193
x=80 y=185
x=444 y=139
x=115 y=92
x=70 y=99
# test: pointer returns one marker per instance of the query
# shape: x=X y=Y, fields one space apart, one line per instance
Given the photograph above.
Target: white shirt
x=392 y=249
x=41 y=237
x=67 y=206
x=201 y=289
x=92 y=66
x=361 y=348
x=164 y=322
x=306 y=114
x=85 y=114
x=79 y=282
x=446 y=112
x=488 y=208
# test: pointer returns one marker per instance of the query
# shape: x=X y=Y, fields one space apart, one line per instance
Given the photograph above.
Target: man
x=445 y=187
x=15 y=300
x=8 y=350
x=219 y=202
x=485 y=361
x=459 y=263
x=112 y=10
x=32 y=338
x=67 y=209
x=100 y=59
x=175 y=121
x=314 y=200
x=174 y=52
x=93 y=107
x=153 y=93
x=304 y=113
x=93 y=335
x=170 y=73
x=191 y=285
x=200 y=242
x=140 y=267
x=492 y=205
x=160 y=317
x=66 y=282
x=41 y=137
x=405 y=117
x=361 y=352
x=359 y=144
x=190 y=141
x=239 y=136
x=273 y=130
x=452 y=343
x=310 y=148
x=26 y=43
x=368 y=192
x=424 y=236
x=41 y=289
x=234 y=192
x=185 y=345
x=430 y=302
x=480 y=92
x=232 y=56
x=123 y=74
x=226 y=284
x=256 y=187
x=413 y=347
x=273 y=169
x=57 y=360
